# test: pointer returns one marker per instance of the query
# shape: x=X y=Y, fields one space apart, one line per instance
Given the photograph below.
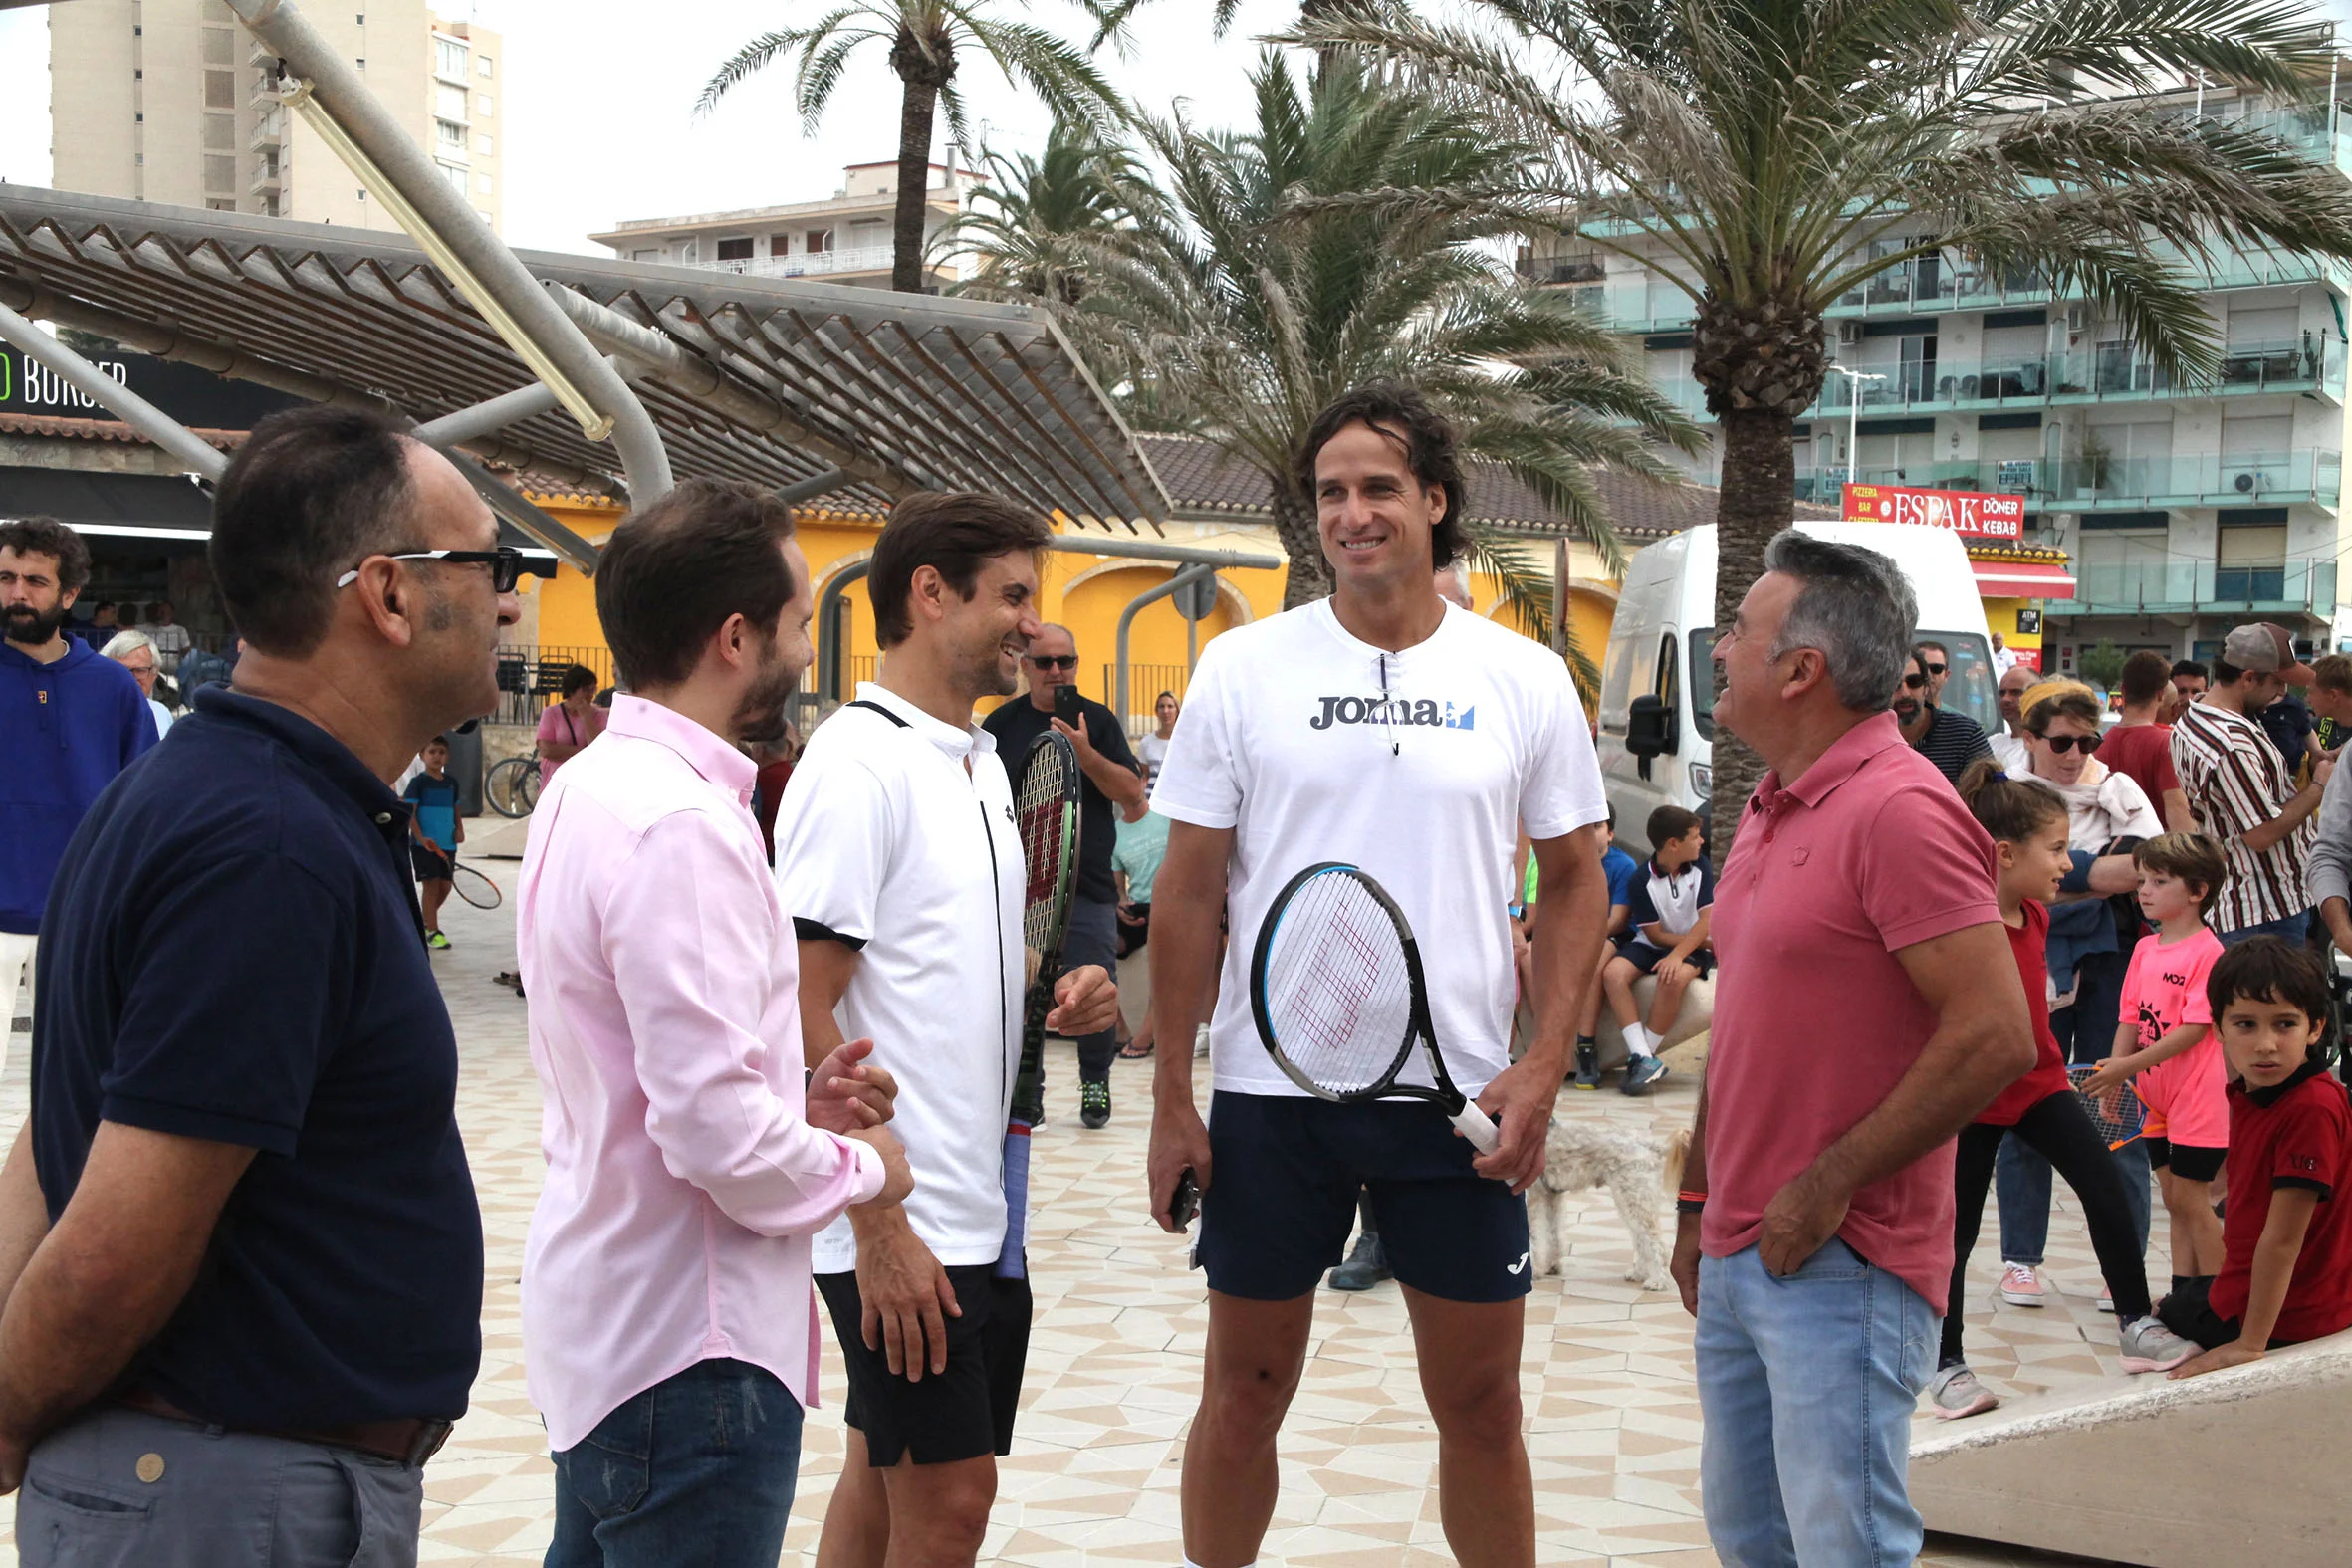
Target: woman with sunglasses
x=2093 y=926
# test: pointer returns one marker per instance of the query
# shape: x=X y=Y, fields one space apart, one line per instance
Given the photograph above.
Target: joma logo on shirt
x=1392 y=710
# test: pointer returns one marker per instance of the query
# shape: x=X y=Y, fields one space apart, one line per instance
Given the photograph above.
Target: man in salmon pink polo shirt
x=669 y=1334
x=1854 y=1037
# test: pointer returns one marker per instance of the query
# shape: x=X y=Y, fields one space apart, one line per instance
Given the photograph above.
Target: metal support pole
x=486 y=417
x=95 y=384
x=815 y=485
x=1168 y=555
x=336 y=103
x=509 y=503
x=828 y=631
x=1184 y=578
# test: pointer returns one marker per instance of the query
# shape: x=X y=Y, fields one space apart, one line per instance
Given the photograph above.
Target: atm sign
x=1963 y=512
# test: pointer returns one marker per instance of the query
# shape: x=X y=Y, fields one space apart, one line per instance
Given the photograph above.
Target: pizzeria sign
x=1965 y=512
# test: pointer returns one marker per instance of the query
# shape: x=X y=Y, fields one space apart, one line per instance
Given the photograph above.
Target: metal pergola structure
x=606 y=377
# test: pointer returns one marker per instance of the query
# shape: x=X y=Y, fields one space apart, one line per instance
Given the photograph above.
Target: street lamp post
x=1853 y=417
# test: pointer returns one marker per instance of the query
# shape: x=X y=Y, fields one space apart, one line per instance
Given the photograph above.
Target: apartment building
x=2184 y=506
x=845 y=238
x=169 y=101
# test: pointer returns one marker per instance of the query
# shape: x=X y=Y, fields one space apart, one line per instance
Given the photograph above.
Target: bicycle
x=512 y=786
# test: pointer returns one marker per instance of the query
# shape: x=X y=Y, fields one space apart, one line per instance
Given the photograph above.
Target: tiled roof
x=102 y=430
x=1202 y=477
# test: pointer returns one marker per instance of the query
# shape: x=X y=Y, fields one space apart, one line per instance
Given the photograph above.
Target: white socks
x=1640 y=1042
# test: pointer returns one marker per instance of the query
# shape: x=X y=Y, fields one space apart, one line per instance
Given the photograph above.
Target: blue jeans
x=2021 y=1186
x=1807 y=1386
x=697 y=1472
x=2294 y=928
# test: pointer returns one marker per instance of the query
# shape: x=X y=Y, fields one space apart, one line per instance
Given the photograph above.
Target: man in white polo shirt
x=897 y=850
x=1383 y=727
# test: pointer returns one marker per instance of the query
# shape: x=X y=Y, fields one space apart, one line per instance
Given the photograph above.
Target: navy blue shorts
x=1636 y=950
x=1283 y=1199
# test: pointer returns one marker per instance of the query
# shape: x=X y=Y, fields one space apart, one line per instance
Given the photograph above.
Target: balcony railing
x=2293 y=588
x=866 y=258
x=2090 y=484
x=2304 y=364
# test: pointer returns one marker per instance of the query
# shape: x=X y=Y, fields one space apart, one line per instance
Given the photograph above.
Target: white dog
x=1641 y=1170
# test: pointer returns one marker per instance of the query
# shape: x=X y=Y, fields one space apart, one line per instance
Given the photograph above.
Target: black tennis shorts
x=960 y=1413
x=2188 y=1161
x=1283 y=1197
x=430 y=865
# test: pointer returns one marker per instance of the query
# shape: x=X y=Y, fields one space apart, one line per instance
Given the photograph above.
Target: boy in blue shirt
x=1667 y=916
x=436 y=831
x=1622 y=870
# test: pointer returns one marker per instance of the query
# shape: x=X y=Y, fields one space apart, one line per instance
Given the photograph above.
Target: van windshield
x=1971 y=687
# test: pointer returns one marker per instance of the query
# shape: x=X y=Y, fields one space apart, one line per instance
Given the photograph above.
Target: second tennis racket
x=1336 y=990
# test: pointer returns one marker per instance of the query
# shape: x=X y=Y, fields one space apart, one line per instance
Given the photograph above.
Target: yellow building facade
x=1085 y=592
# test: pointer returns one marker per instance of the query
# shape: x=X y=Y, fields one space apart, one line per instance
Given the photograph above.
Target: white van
x=1664 y=633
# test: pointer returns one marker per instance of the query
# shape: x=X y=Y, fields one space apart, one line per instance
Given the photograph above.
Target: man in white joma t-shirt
x=897 y=850
x=1382 y=728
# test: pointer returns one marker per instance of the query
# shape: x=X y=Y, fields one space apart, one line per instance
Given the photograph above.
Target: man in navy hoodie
x=69 y=723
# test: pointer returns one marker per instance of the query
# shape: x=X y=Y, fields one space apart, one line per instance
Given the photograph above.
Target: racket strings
x=2118 y=1114
x=1339 y=993
x=1039 y=815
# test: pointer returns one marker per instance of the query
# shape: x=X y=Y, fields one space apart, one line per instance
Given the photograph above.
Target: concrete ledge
x=1697 y=1011
x=2239 y=1467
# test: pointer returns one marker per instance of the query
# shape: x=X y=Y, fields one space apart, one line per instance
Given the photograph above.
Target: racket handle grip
x=1477 y=1126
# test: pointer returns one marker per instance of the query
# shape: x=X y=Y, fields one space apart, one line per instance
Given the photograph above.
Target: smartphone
x=1185 y=1201
x=1069 y=706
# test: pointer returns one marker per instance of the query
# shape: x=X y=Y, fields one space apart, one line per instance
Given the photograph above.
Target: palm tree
x=926 y=40
x=1030 y=213
x=1781 y=153
x=1227 y=320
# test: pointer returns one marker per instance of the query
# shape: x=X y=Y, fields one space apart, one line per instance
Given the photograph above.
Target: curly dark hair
x=1401 y=413
x=48 y=537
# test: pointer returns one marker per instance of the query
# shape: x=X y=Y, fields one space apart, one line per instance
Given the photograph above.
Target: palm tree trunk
x=1303 y=541
x=1758 y=499
x=917 y=109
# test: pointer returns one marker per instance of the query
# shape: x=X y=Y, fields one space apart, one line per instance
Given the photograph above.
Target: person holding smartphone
x=1113 y=784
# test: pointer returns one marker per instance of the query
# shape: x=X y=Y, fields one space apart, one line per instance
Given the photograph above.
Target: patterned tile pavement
x=1612 y=1416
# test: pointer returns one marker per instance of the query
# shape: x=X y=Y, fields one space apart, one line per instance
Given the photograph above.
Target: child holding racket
x=435 y=830
x=2286 y=1266
x=2165 y=1046
x=2029 y=834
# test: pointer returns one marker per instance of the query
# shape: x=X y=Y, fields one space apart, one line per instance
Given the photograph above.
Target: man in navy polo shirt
x=240 y=1247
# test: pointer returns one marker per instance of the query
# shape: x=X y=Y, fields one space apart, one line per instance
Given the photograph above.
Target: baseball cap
x=2265 y=648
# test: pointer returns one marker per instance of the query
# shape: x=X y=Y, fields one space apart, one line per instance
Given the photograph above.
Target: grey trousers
x=121 y=1488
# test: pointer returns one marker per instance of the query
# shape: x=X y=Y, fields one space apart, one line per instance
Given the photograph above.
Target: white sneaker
x=2148 y=1346
x=1954 y=1393
x=2106 y=1302
x=2021 y=1285
x=1200 y=1041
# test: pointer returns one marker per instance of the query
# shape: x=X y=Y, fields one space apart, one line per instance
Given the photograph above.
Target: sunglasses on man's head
x=1055 y=661
x=2062 y=744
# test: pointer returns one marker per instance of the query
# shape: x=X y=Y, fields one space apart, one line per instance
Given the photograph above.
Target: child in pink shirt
x=2165 y=1046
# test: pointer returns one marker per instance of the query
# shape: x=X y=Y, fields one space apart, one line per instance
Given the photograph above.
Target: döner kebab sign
x=1963 y=512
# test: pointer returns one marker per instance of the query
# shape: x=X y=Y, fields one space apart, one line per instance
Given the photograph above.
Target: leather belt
x=405 y=1440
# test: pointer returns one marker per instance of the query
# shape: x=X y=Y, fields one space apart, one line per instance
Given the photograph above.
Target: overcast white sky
x=598 y=98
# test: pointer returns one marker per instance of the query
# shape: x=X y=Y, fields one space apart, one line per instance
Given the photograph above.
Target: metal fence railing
x=1146 y=682
x=531 y=675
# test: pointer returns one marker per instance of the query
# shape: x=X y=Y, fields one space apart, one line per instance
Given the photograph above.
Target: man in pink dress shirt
x=668 y=1322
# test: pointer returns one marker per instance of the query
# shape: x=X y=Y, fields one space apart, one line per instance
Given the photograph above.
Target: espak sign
x=1963 y=512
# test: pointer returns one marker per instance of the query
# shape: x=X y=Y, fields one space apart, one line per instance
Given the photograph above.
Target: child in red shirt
x=2165 y=1044
x=2029 y=827
x=2286 y=1266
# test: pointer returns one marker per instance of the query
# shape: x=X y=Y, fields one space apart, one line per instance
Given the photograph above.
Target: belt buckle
x=427 y=1443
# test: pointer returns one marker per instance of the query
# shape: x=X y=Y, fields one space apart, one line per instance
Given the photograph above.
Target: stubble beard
x=762 y=717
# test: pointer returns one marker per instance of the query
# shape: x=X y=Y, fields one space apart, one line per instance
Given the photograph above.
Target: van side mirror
x=1650 y=727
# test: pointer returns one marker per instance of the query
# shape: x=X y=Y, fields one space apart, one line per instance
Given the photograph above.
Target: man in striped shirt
x=2239 y=788
x=1950 y=739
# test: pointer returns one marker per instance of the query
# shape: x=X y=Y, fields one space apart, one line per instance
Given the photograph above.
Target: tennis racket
x=472 y=886
x=1045 y=814
x=1336 y=990
x=2117 y=1114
